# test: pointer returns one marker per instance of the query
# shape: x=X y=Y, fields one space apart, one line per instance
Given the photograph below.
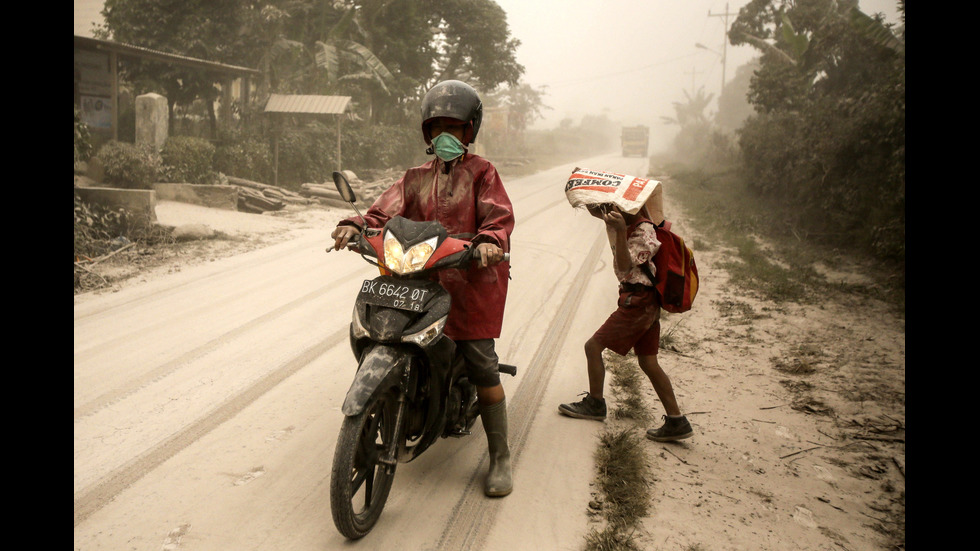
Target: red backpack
x=677 y=274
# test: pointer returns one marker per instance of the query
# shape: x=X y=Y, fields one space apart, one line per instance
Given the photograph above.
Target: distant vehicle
x=635 y=140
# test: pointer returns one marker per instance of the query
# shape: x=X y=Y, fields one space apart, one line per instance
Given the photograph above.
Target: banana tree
x=348 y=61
x=293 y=66
x=692 y=112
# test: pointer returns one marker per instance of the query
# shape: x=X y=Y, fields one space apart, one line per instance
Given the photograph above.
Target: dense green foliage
x=308 y=153
x=827 y=141
x=383 y=53
x=188 y=160
x=96 y=226
x=100 y=231
x=126 y=165
x=245 y=156
x=730 y=215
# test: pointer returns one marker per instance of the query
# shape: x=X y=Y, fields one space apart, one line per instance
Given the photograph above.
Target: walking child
x=634 y=325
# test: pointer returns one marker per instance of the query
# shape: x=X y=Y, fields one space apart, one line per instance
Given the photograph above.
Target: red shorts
x=634 y=325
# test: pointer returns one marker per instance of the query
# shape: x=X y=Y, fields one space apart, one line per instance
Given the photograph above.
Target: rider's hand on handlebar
x=488 y=254
x=343 y=234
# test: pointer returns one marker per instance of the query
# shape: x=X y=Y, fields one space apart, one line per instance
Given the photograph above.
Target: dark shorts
x=481 y=361
x=634 y=325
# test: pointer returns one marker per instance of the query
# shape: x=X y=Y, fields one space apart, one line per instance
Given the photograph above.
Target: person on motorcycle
x=466 y=195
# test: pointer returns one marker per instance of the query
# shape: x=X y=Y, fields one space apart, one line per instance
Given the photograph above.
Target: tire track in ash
x=99 y=494
x=171 y=316
x=108 y=398
x=228 y=270
x=474 y=514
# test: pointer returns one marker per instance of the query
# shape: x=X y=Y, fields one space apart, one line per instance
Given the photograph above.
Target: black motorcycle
x=410 y=388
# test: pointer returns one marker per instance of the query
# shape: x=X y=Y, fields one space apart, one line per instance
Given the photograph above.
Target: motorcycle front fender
x=376 y=365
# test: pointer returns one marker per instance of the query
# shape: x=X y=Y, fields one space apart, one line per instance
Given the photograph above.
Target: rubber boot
x=499 y=482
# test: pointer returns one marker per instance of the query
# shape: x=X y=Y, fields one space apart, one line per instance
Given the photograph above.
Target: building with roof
x=97 y=89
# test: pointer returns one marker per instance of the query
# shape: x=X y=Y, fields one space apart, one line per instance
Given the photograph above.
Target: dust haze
x=630 y=59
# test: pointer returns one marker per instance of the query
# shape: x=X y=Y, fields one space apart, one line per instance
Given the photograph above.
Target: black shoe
x=586 y=408
x=674 y=428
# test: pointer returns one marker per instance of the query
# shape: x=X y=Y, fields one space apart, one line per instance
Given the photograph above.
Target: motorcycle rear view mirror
x=346 y=192
x=343 y=187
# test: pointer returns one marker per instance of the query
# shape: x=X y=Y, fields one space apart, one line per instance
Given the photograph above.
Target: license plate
x=403 y=295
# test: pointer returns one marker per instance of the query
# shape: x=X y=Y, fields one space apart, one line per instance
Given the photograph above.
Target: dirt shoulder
x=230 y=233
x=799 y=418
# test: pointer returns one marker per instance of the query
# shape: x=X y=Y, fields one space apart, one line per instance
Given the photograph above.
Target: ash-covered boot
x=499 y=482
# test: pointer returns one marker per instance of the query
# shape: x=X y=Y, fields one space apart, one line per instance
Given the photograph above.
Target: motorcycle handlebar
x=352 y=246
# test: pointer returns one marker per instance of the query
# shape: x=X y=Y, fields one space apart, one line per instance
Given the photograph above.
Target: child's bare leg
x=596 y=367
x=660 y=381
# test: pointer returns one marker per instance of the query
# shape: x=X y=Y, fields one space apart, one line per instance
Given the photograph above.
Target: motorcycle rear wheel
x=359 y=481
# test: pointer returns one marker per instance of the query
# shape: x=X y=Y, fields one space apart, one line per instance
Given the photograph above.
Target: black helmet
x=454 y=99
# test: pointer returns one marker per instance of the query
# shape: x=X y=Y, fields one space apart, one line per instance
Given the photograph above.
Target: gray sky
x=630 y=59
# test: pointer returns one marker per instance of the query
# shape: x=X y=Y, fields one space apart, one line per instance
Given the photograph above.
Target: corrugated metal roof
x=146 y=53
x=316 y=105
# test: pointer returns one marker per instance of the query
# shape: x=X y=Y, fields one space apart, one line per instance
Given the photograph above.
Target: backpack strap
x=646 y=270
x=644 y=266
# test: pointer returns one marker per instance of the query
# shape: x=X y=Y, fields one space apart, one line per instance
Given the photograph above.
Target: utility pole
x=693 y=73
x=724 y=45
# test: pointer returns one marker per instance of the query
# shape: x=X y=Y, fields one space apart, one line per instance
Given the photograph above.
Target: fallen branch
x=248 y=183
x=879 y=438
x=96 y=274
x=880 y=519
x=801 y=451
x=679 y=353
x=675 y=456
x=736 y=500
x=900 y=463
x=827 y=501
x=827 y=435
x=105 y=256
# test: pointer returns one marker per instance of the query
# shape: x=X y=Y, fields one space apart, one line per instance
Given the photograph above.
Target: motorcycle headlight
x=426 y=336
x=401 y=262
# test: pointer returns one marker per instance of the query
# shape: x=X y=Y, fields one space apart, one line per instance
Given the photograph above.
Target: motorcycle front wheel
x=360 y=481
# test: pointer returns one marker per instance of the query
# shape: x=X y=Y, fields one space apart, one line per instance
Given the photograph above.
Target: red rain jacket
x=471 y=203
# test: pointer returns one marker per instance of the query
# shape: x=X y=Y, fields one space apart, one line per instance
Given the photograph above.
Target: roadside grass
x=623 y=472
x=627 y=379
x=803 y=359
x=719 y=203
x=99 y=247
x=738 y=312
x=622 y=476
x=622 y=466
x=668 y=330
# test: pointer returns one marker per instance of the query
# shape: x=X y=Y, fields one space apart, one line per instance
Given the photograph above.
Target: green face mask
x=447 y=146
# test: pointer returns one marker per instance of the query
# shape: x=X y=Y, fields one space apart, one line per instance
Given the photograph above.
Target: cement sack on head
x=629 y=193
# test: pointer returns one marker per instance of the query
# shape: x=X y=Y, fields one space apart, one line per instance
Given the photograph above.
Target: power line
x=724 y=44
